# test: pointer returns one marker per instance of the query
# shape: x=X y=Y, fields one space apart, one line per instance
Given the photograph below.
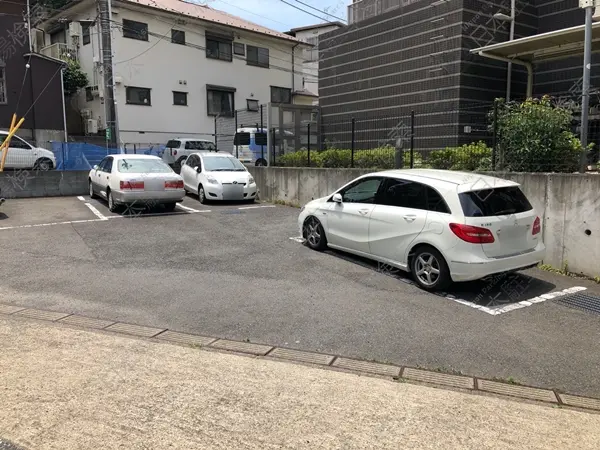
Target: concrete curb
x=365 y=368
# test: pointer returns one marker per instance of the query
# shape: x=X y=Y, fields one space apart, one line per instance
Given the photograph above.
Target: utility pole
x=112 y=139
x=588 y=6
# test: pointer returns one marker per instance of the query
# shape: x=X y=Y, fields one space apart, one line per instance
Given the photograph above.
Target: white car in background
x=177 y=150
x=23 y=155
x=218 y=176
x=441 y=226
x=141 y=180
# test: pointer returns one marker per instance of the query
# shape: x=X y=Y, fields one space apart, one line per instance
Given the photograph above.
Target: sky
x=277 y=15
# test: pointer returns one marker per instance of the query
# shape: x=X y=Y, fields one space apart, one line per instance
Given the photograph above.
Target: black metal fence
x=466 y=139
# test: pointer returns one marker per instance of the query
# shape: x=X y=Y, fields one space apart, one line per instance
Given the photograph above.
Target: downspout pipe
x=294 y=68
x=527 y=65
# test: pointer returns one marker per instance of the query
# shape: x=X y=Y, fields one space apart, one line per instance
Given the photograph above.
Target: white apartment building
x=177 y=65
x=308 y=92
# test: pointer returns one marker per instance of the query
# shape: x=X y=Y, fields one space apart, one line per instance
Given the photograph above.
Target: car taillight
x=537 y=226
x=473 y=235
x=128 y=185
x=174 y=184
x=174 y=152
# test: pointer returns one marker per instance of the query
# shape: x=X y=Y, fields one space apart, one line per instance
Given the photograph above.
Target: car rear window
x=261 y=138
x=494 y=202
x=200 y=145
x=173 y=144
x=139 y=165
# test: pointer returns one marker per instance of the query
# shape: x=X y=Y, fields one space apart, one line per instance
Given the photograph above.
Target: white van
x=177 y=150
x=250 y=146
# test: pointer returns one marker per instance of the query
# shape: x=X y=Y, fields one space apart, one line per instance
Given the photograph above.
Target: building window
x=239 y=49
x=258 y=56
x=252 y=105
x=135 y=30
x=220 y=101
x=3 y=98
x=218 y=49
x=281 y=95
x=85 y=33
x=180 y=98
x=138 y=96
x=89 y=95
x=178 y=37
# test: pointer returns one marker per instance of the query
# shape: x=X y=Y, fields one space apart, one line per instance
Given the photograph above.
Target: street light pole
x=588 y=6
x=511 y=36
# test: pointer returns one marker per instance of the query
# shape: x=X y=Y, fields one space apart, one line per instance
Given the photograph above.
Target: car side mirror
x=197 y=169
x=337 y=198
x=95 y=167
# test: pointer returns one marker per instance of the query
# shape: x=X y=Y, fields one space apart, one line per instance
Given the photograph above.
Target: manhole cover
x=5 y=445
x=585 y=302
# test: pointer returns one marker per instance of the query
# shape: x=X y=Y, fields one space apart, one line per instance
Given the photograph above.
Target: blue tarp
x=82 y=156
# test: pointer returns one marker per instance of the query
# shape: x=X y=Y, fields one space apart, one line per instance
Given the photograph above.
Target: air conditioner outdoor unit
x=74 y=29
x=95 y=91
x=91 y=126
x=86 y=113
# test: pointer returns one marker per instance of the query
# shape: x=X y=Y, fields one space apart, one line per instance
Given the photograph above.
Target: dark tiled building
x=35 y=93
x=414 y=55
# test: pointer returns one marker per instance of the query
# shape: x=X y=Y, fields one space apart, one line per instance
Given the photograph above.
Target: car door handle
x=364 y=212
x=410 y=217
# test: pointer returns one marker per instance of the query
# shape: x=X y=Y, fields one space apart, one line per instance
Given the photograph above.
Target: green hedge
x=472 y=157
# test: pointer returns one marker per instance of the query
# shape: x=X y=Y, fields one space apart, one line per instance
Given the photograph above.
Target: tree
x=74 y=78
x=536 y=136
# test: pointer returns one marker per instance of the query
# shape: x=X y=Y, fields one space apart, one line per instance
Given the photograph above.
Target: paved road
x=235 y=273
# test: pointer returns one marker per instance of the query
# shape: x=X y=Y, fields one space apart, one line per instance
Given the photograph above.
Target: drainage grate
x=585 y=302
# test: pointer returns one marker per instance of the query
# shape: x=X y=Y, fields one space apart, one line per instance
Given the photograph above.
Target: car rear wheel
x=429 y=269
x=170 y=207
x=112 y=206
x=314 y=234
x=43 y=164
x=201 y=194
x=261 y=162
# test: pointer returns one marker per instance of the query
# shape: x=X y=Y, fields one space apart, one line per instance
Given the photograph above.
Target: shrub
x=476 y=156
x=536 y=136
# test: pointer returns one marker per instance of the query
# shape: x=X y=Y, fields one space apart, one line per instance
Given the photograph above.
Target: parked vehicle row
x=124 y=179
x=440 y=226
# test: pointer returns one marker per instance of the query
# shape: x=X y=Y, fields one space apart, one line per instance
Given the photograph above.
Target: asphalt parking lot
x=235 y=271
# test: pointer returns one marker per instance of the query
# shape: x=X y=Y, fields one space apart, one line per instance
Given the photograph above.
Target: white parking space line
x=187 y=208
x=51 y=224
x=97 y=213
x=81 y=198
x=298 y=239
x=257 y=207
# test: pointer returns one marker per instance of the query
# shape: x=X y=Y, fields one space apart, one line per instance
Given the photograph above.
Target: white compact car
x=177 y=150
x=142 y=180
x=218 y=176
x=22 y=155
x=441 y=226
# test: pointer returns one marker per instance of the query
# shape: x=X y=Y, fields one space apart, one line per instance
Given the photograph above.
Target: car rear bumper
x=477 y=269
x=150 y=197
x=219 y=192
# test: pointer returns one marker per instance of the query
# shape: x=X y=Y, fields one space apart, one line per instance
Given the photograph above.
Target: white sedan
x=441 y=226
x=218 y=176
x=141 y=180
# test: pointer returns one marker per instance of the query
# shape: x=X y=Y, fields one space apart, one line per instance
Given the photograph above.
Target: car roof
x=461 y=181
x=251 y=129
x=134 y=156
x=220 y=154
x=191 y=139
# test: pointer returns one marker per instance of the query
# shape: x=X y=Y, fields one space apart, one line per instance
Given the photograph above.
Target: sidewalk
x=63 y=388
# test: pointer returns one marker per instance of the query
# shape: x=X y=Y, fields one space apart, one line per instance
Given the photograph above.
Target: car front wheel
x=314 y=234
x=201 y=194
x=92 y=193
x=429 y=269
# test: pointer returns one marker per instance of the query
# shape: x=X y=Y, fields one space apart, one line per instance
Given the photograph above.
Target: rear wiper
x=506 y=211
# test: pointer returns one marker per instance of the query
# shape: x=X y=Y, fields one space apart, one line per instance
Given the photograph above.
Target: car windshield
x=494 y=202
x=139 y=165
x=222 y=164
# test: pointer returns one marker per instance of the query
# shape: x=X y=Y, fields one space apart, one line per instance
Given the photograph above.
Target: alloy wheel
x=428 y=269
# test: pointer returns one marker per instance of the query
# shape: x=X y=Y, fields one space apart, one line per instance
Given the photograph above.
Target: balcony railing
x=59 y=51
x=365 y=9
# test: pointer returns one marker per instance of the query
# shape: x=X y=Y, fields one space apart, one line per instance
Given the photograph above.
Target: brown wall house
x=35 y=93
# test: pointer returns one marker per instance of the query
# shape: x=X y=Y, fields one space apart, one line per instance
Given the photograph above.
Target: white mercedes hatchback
x=441 y=226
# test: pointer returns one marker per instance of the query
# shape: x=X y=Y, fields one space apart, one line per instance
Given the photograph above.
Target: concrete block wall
x=30 y=183
x=569 y=205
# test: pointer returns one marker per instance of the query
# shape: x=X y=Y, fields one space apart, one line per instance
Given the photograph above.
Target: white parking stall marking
x=51 y=224
x=81 y=198
x=257 y=207
x=97 y=213
x=188 y=209
x=298 y=239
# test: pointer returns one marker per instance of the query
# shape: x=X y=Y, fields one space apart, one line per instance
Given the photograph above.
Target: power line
x=318 y=10
x=304 y=11
x=253 y=13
